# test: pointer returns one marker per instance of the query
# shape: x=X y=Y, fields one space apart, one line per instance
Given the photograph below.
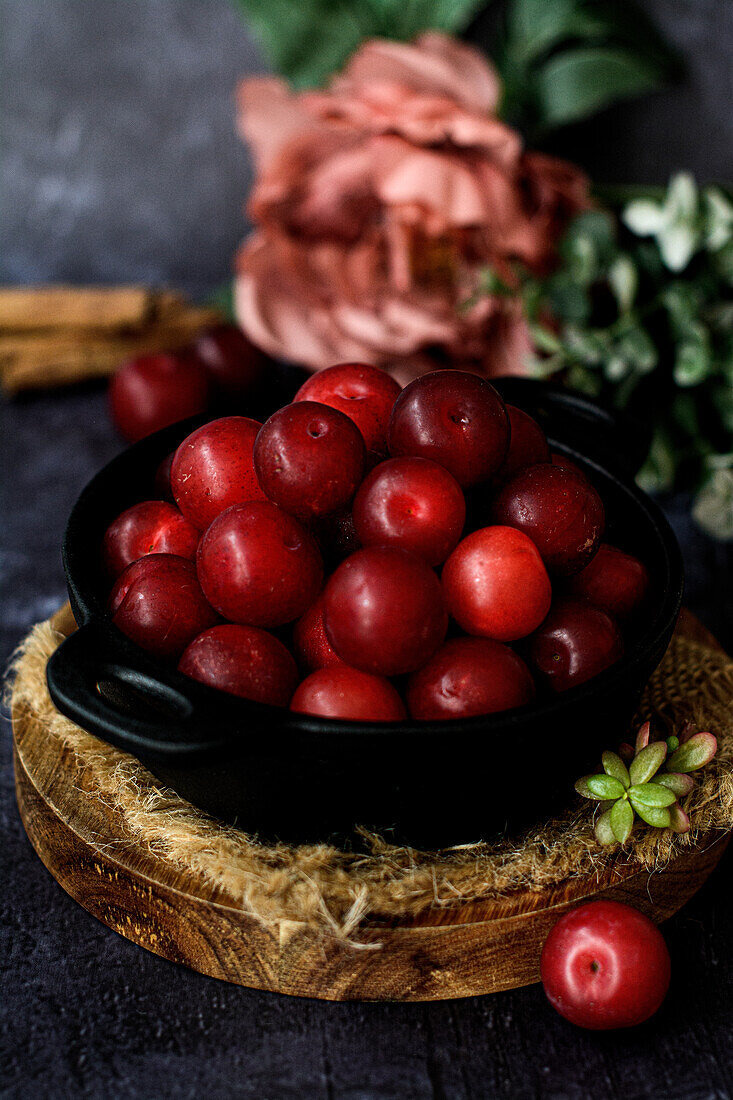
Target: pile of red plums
x=323 y=560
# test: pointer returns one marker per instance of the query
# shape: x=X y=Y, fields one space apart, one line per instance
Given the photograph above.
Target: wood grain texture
x=473 y=949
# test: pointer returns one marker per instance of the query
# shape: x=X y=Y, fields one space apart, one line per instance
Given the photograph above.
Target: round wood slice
x=459 y=952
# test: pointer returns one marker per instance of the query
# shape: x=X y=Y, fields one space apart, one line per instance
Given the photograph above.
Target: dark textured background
x=119 y=162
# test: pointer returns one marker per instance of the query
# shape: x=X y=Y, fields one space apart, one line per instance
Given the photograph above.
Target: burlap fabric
x=337 y=890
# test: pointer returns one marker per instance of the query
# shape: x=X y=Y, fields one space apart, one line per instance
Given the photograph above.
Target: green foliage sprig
x=564 y=60
x=639 y=312
x=649 y=783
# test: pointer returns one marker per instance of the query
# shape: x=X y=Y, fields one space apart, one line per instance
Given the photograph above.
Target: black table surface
x=84 y=1012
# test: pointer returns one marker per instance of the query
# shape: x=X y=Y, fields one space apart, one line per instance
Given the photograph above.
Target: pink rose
x=377 y=203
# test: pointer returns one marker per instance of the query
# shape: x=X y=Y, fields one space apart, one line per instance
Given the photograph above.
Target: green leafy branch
x=648 y=784
x=639 y=312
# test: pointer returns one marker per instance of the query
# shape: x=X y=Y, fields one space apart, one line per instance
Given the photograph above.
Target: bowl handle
x=115 y=693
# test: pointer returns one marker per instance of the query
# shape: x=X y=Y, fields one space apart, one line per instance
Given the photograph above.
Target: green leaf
x=544 y=339
x=536 y=26
x=624 y=281
x=694 y=754
x=647 y=762
x=622 y=820
x=678 y=819
x=679 y=784
x=308 y=40
x=642 y=737
x=650 y=794
x=581 y=786
x=604 y=829
x=580 y=82
x=713 y=506
x=605 y=786
x=644 y=217
x=637 y=348
x=658 y=472
x=614 y=766
x=223 y=299
x=568 y=300
x=660 y=818
x=693 y=362
x=718 y=218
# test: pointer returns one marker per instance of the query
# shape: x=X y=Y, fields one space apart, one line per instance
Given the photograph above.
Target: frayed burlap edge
x=337 y=891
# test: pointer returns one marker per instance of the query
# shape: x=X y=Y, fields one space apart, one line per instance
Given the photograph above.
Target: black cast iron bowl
x=299 y=778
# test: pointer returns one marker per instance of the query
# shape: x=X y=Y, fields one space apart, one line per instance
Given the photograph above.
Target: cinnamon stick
x=100 y=327
x=54 y=307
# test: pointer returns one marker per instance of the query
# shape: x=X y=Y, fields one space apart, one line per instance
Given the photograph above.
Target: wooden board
x=474 y=949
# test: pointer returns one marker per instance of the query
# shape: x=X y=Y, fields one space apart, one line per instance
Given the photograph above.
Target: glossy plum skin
x=605 y=965
x=151 y=527
x=384 y=611
x=244 y=661
x=575 y=642
x=213 y=469
x=614 y=581
x=234 y=364
x=153 y=391
x=411 y=503
x=158 y=603
x=259 y=566
x=455 y=418
x=495 y=584
x=564 y=463
x=468 y=677
x=309 y=459
x=528 y=444
x=349 y=694
x=365 y=394
x=559 y=510
x=310 y=643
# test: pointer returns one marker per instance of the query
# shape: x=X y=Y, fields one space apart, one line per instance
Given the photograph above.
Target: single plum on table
x=468 y=677
x=151 y=527
x=365 y=394
x=153 y=391
x=309 y=459
x=384 y=611
x=259 y=566
x=157 y=602
x=454 y=418
x=558 y=509
x=412 y=503
x=605 y=965
x=496 y=585
x=244 y=661
x=348 y=693
x=213 y=469
x=575 y=642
